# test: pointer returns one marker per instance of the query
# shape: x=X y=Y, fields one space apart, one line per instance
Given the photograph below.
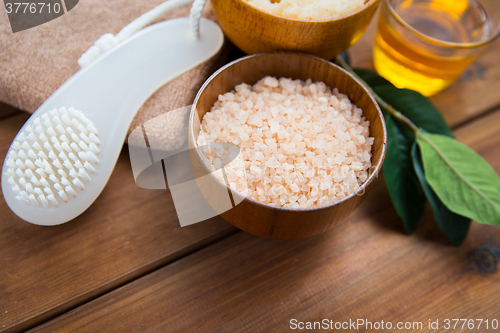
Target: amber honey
x=425 y=45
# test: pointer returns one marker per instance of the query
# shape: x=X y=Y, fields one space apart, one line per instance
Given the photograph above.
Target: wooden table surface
x=127 y=265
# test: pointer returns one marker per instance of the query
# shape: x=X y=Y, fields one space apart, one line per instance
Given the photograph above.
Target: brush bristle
x=50 y=162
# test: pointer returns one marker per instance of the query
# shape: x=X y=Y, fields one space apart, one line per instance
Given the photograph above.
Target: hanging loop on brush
x=107 y=41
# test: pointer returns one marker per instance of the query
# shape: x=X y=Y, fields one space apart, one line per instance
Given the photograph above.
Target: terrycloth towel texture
x=35 y=62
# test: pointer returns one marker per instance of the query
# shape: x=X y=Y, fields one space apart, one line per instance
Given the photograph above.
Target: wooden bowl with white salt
x=290 y=206
x=255 y=30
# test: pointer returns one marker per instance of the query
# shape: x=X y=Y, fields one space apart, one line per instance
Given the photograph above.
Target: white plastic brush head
x=50 y=162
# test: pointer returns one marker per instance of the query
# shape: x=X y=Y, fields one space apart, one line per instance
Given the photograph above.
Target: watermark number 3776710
x=24 y=15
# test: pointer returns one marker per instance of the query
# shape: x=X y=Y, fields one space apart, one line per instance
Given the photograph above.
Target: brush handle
x=107 y=41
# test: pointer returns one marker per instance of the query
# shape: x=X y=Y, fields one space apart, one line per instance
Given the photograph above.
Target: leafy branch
x=383 y=104
x=425 y=163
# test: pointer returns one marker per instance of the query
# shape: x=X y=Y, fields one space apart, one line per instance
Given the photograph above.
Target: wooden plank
x=127 y=232
x=7 y=110
x=365 y=268
x=467 y=98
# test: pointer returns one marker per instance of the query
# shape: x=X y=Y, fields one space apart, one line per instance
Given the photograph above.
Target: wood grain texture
x=255 y=31
x=364 y=268
x=243 y=281
x=7 y=110
x=276 y=222
x=127 y=232
x=469 y=96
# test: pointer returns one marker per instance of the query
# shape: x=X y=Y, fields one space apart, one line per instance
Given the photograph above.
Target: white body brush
x=64 y=155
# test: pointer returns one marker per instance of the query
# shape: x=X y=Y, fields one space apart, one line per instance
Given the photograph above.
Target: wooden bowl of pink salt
x=306 y=141
x=322 y=28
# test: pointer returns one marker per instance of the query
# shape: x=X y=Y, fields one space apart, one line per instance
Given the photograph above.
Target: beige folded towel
x=35 y=62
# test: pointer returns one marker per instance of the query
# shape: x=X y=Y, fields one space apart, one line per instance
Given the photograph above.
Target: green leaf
x=372 y=78
x=416 y=107
x=453 y=225
x=462 y=179
x=404 y=187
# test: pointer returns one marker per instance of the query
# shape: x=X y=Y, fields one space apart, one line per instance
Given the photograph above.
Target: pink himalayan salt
x=302 y=144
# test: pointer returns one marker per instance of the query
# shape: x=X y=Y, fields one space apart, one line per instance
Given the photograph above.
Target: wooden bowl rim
x=264 y=13
x=363 y=186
